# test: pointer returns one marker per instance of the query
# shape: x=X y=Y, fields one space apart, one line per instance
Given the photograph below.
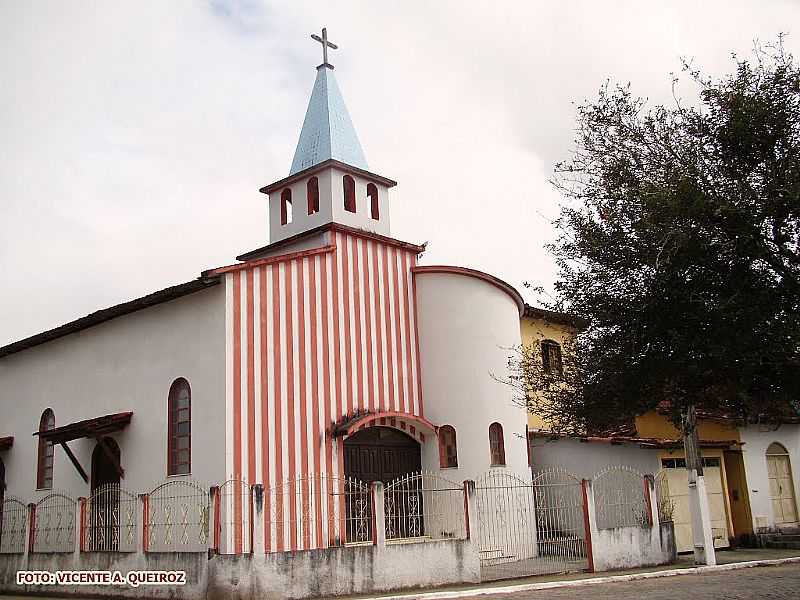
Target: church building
x=332 y=350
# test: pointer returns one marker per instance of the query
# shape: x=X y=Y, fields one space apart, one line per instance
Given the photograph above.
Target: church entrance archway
x=104 y=506
x=381 y=454
x=104 y=469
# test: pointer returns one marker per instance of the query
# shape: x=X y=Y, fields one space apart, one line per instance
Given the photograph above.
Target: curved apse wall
x=468 y=322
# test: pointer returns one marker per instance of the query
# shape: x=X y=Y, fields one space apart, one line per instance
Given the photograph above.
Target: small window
x=349 y=193
x=551 y=357
x=448 y=450
x=179 y=445
x=372 y=194
x=496 y=445
x=312 y=193
x=711 y=462
x=44 y=467
x=286 y=206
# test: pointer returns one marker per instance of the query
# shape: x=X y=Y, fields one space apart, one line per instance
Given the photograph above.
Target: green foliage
x=679 y=246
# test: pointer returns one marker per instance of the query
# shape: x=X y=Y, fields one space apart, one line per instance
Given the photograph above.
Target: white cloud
x=135 y=136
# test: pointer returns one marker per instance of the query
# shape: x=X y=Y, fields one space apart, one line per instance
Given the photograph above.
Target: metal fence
x=620 y=498
x=424 y=505
x=506 y=518
x=560 y=518
x=13 y=526
x=530 y=527
x=54 y=524
x=110 y=520
x=235 y=517
x=317 y=511
x=666 y=506
x=177 y=517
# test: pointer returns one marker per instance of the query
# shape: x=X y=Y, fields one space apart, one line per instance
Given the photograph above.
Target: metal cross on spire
x=325 y=45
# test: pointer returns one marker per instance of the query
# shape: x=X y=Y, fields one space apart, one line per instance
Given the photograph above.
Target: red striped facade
x=312 y=339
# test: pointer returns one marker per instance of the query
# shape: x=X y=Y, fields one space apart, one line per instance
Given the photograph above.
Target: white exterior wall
x=756 y=441
x=331 y=206
x=585 y=459
x=125 y=364
x=467 y=328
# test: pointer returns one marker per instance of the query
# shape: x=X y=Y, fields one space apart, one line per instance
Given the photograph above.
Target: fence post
x=469 y=496
x=646 y=480
x=214 y=498
x=258 y=544
x=378 y=515
x=145 y=498
x=31 y=526
x=588 y=520
x=82 y=524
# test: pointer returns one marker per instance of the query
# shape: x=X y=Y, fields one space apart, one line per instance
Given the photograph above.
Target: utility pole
x=702 y=538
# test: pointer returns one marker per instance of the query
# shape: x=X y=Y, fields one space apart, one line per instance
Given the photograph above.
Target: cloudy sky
x=134 y=135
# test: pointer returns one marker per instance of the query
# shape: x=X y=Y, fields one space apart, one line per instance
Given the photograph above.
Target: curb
x=528 y=587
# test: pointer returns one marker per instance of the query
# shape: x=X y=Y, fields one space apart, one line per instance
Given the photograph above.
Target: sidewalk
x=726 y=559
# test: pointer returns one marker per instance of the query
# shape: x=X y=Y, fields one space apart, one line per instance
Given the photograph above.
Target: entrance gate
x=530 y=528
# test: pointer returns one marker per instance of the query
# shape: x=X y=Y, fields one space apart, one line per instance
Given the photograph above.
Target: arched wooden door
x=381 y=454
x=781 y=486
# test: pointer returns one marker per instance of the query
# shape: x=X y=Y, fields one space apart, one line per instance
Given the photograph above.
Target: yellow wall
x=653 y=425
x=534 y=330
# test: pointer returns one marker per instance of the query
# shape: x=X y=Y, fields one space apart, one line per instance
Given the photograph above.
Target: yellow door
x=678 y=485
x=781 y=487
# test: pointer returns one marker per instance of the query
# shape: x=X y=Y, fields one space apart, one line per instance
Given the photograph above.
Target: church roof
x=106 y=314
x=328 y=131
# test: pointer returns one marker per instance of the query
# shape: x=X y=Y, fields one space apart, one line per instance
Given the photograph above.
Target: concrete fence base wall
x=631 y=547
x=371 y=568
x=291 y=575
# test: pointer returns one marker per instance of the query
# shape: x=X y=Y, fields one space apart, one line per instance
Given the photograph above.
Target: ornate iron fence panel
x=13 y=526
x=177 y=517
x=619 y=498
x=54 y=524
x=530 y=527
x=235 y=499
x=317 y=511
x=110 y=520
x=560 y=517
x=666 y=506
x=424 y=505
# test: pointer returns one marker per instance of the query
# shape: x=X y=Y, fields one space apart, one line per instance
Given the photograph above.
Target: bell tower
x=329 y=181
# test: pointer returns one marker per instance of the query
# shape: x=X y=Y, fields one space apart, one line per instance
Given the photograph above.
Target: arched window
x=312 y=194
x=372 y=194
x=44 y=466
x=551 y=357
x=286 y=206
x=349 y=193
x=497 y=445
x=448 y=450
x=179 y=445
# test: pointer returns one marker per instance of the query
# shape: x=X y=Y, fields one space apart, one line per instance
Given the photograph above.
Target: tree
x=678 y=245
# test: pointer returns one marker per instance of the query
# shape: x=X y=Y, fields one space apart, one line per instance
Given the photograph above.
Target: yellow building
x=721 y=446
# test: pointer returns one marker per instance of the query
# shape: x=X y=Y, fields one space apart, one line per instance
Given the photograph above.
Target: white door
x=678 y=484
x=781 y=487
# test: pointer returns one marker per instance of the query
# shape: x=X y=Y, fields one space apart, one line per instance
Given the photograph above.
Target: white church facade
x=325 y=393
x=278 y=367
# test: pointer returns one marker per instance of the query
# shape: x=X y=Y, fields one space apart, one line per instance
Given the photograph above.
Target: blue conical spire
x=327 y=130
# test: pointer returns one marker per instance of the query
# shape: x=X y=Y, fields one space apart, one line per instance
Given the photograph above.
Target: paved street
x=772 y=583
